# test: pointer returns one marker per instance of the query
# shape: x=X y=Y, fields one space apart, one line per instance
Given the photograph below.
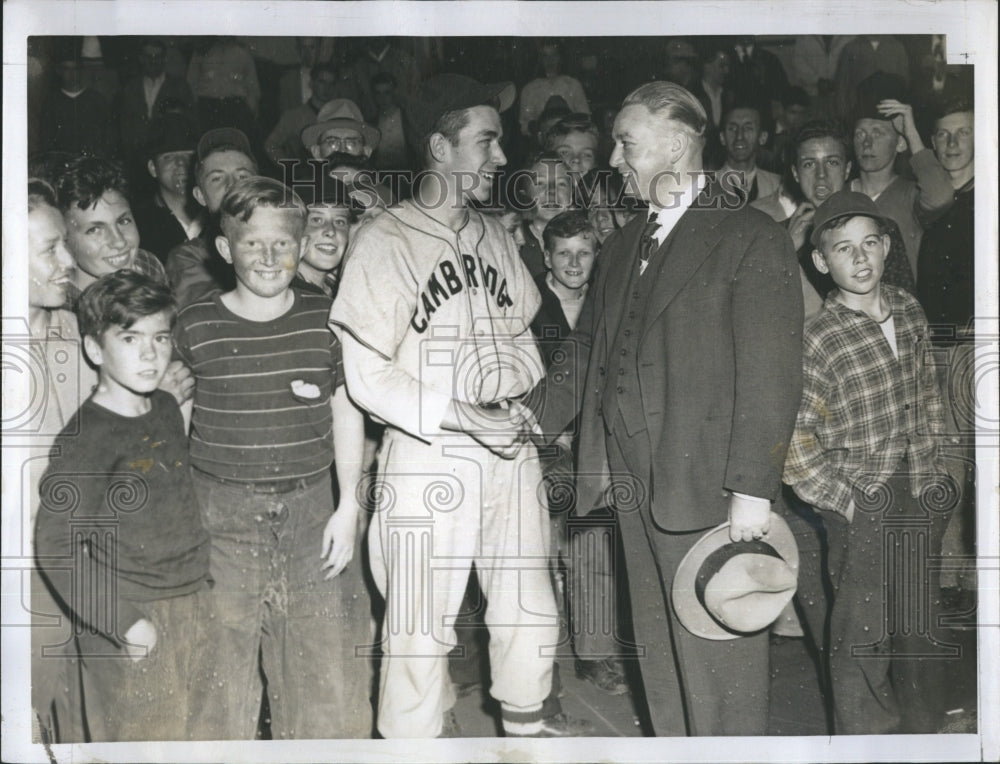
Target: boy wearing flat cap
x=435 y=307
x=865 y=451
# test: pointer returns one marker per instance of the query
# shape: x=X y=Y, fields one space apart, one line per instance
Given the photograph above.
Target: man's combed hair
x=566 y=225
x=250 y=193
x=120 y=299
x=671 y=101
x=85 y=179
x=40 y=193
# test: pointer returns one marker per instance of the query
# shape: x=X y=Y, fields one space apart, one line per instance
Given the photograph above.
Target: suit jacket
x=133 y=122
x=719 y=364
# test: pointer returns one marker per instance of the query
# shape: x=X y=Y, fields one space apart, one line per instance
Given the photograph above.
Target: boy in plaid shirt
x=864 y=451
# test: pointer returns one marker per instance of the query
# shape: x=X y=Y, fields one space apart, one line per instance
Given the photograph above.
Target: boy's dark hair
x=85 y=179
x=820 y=128
x=250 y=193
x=795 y=96
x=566 y=225
x=120 y=299
x=573 y=123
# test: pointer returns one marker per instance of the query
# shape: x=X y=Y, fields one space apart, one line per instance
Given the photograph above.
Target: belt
x=269 y=486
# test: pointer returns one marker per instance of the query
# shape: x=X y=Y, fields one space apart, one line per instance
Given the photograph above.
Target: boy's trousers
x=148 y=699
x=882 y=650
x=270 y=599
x=441 y=506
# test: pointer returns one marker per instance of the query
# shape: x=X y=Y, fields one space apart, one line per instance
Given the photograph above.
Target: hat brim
x=688 y=608
x=312 y=133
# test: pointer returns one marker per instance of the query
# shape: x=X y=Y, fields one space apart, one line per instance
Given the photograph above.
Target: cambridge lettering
x=445 y=283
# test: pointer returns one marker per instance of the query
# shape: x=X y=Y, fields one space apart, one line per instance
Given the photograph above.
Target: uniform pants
x=270 y=599
x=439 y=508
x=693 y=686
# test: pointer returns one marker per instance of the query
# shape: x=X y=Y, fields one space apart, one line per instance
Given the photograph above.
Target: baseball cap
x=340 y=112
x=170 y=133
x=452 y=92
x=223 y=139
x=839 y=205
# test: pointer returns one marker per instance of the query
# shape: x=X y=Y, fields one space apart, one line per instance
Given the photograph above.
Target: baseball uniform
x=434 y=314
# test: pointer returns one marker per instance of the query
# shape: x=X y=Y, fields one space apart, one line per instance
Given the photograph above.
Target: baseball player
x=436 y=308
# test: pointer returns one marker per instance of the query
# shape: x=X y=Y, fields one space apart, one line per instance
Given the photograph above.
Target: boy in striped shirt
x=268 y=405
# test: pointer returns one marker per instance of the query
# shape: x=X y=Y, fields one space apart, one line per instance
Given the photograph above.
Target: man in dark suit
x=687 y=377
x=146 y=97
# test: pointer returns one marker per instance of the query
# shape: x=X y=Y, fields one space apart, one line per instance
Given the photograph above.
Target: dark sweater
x=947 y=265
x=118 y=515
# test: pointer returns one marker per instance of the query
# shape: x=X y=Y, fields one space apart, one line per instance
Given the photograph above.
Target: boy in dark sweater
x=118 y=510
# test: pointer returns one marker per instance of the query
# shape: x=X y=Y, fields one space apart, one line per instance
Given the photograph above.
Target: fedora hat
x=340 y=112
x=725 y=589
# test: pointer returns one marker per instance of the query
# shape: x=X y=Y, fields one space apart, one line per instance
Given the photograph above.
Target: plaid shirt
x=862 y=409
x=147 y=264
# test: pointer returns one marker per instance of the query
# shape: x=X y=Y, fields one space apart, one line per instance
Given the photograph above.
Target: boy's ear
x=151 y=167
x=222 y=244
x=820 y=262
x=547 y=259
x=93 y=350
x=199 y=196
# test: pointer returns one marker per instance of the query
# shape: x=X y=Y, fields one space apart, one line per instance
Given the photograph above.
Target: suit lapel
x=680 y=256
x=619 y=268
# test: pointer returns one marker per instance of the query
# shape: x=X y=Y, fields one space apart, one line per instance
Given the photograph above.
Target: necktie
x=647 y=244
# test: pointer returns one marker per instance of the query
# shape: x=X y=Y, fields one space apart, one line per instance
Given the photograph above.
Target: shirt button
x=620 y=389
x=631 y=314
x=628 y=332
x=624 y=351
x=906 y=406
x=621 y=372
x=600 y=369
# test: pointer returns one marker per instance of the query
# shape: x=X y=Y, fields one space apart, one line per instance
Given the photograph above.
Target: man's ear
x=820 y=262
x=438 y=147
x=93 y=350
x=151 y=167
x=199 y=196
x=316 y=151
x=222 y=245
x=795 y=172
x=762 y=138
x=367 y=151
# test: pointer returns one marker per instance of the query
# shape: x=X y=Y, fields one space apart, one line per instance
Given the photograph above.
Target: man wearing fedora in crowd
x=340 y=128
x=685 y=367
x=435 y=309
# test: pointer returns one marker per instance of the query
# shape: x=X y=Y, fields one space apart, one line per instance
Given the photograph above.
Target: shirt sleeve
x=935 y=192
x=812 y=466
x=383 y=389
x=69 y=548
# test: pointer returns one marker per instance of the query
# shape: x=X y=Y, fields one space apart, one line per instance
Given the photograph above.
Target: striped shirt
x=262 y=394
x=863 y=409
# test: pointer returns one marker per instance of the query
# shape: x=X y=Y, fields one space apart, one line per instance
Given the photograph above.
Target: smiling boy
x=268 y=407
x=101 y=231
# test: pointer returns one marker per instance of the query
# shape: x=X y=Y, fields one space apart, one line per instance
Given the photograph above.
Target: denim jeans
x=272 y=612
